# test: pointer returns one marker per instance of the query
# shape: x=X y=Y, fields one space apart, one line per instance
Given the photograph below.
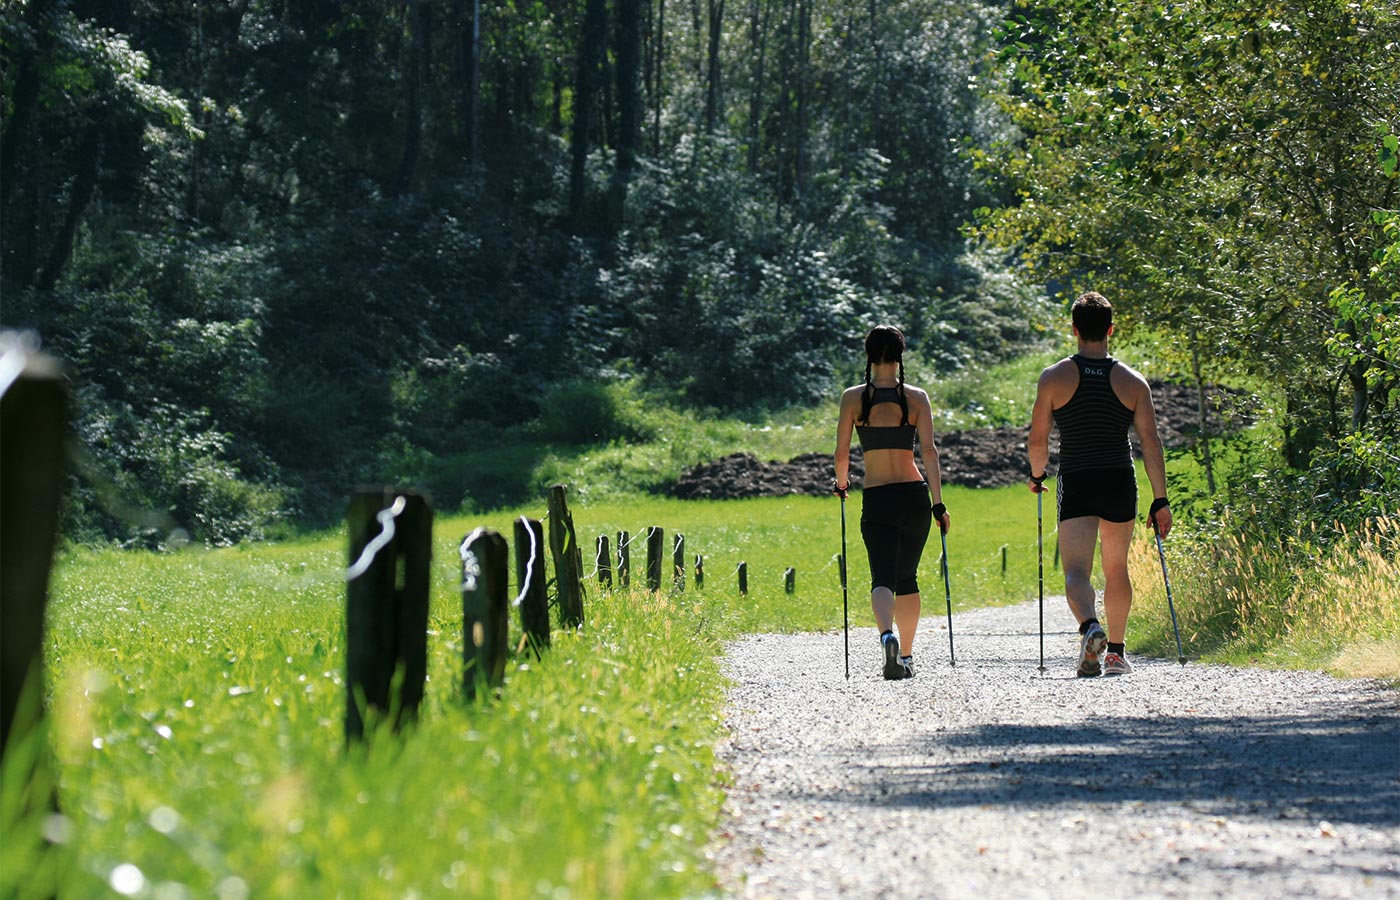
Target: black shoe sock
x=1115 y=648
x=1084 y=626
x=884 y=634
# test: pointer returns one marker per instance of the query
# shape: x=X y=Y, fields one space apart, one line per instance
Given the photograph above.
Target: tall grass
x=197 y=703
x=1299 y=601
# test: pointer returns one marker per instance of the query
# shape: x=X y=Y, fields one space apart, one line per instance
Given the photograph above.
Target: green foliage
x=1212 y=167
x=589 y=412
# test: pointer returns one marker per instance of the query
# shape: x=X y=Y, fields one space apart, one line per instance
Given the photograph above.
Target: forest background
x=288 y=247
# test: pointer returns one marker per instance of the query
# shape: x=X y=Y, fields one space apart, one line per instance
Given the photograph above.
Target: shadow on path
x=1343 y=767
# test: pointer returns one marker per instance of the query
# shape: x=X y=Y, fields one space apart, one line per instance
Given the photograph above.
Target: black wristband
x=1157 y=506
x=938 y=510
x=1040 y=479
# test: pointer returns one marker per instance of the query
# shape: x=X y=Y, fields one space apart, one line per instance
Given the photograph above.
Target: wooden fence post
x=744 y=578
x=678 y=562
x=485 y=611
x=655 y=538
x=530 y=576
x=386 y=610
x=602 y=558
x=699 y=571
x=568 y=558
x=624 y=560
x=790 y=580
x=33 y=421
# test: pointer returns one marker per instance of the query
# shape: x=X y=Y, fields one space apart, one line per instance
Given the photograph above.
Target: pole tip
x=1181 y=659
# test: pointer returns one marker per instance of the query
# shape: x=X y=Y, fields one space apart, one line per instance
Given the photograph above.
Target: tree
x=1211 y=163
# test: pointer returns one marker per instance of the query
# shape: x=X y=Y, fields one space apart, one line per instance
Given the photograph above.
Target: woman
x=896 y=515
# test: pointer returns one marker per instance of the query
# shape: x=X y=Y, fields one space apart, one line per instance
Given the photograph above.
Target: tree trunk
x=758 y=41
x=712 y=69
x=1202 y=422
x=804 y=60
x=469 y=63
x=659 y=81
x=595 y=30
x=413 y=113
x=629 y=109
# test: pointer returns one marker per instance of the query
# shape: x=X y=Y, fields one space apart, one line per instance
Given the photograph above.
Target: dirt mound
x=985 y=457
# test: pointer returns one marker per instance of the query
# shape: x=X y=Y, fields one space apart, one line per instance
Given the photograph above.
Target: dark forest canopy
x=281 y=242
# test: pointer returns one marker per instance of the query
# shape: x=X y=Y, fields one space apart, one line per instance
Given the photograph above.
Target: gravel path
x=988 y=780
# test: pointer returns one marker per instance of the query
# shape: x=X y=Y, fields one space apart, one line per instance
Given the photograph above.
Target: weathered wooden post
x=624 y=560
x=602 y=558
x=699 y=571
x=678 y=562
x=568 y=558
x=386 y=611
x=530 y=576
x=33 y=421
x=655 y=538
x=485 y=609
x=790 y=580
x=743 y=578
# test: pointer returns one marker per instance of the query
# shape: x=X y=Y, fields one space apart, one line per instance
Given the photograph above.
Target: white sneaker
x=1090 y=646
x=1115 y=664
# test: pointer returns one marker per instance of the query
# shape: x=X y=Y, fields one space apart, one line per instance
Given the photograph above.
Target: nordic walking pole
x=1040 y=567
x=947 y=592
x=1162 y=554
x=845 y=606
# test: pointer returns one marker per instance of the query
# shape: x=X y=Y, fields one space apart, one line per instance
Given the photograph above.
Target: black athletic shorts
x=894 y=521
x=1109 y=494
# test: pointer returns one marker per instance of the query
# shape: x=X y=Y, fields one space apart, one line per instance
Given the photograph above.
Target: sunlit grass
x=1296 y=603
x=198 y=698
x=197 y=710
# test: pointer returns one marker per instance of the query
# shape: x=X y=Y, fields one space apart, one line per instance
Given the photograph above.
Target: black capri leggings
x=894 y=522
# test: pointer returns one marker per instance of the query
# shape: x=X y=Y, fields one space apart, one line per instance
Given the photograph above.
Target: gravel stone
x=989 y=779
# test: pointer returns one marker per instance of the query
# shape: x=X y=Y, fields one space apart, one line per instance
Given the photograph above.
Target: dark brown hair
x=1092 y=315
x=884 y=344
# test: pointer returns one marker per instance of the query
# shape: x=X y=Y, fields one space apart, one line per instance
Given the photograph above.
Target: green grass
x=1291 y=603
x=197 y=705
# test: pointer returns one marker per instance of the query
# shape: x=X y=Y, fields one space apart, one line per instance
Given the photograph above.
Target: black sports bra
x=886 y=437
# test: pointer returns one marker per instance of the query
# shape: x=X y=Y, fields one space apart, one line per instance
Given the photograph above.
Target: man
x=1094 y=399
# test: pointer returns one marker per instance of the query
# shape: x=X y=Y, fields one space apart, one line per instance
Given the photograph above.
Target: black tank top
x=886 y=437
x=1094 y=423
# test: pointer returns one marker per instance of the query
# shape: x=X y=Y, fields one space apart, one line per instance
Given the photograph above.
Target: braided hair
x=884 y=344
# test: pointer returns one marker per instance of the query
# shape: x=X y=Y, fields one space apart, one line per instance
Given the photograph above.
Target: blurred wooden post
x=699 y=571
x=568 y=558
x=602 y=558
x=790 y=580
x=678 y=562
x=655 y=538
x=1056 y=564
x=744 y=578
x=624 y=560
x=386 y=614
x=486 y=609
x=1003 y=560
x=530 y=576
x=33 y=422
